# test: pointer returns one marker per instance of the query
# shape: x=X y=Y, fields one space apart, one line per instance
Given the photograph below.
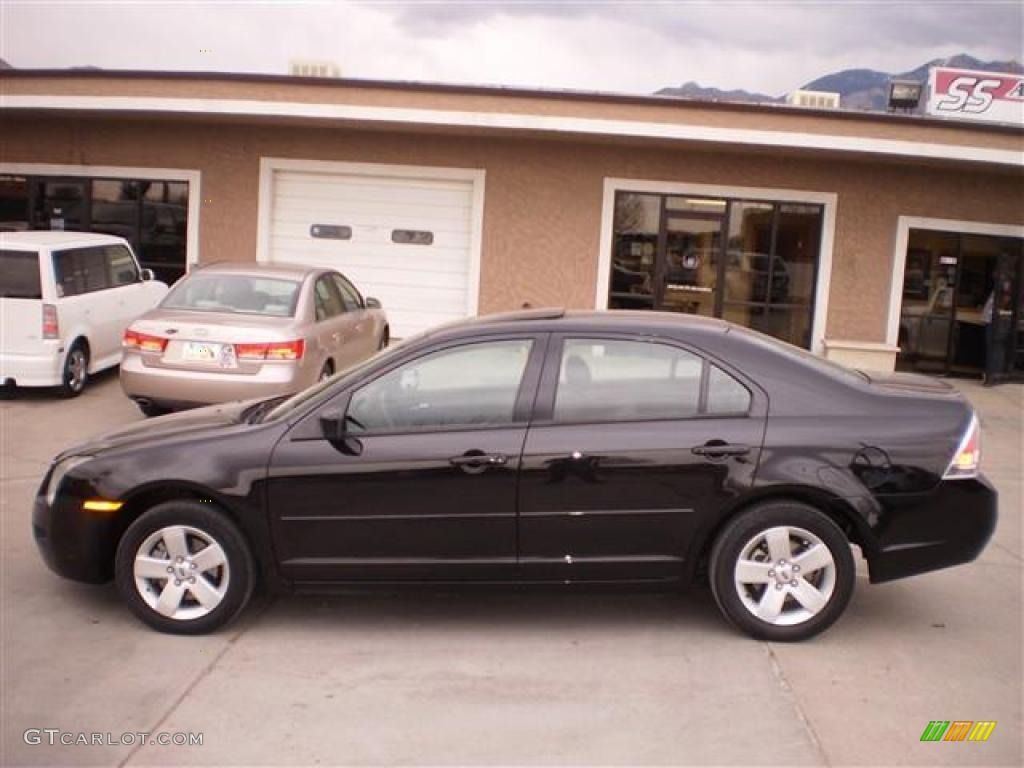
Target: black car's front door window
x=470 y=385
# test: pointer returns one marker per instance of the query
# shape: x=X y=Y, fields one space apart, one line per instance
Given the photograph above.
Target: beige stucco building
x=852 y=234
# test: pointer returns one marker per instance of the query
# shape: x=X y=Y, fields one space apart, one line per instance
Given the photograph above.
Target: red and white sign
x=969 y=95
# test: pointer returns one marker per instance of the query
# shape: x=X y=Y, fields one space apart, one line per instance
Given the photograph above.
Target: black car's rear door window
x=621 y=379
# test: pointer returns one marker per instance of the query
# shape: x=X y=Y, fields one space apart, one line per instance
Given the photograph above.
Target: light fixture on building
x=904 y=94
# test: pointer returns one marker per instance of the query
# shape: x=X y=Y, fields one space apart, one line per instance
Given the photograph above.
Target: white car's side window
x=81 y=270
x=121 y=265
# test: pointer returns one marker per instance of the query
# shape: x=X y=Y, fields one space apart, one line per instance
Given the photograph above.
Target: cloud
x=622 y=46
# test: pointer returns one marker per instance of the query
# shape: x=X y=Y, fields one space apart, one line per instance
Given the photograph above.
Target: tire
x=785 y=608
x=75 y=374
x=384 y=339
x=189 y=527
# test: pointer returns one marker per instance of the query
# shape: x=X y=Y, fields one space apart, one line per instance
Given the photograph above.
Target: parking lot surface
x=504 y=677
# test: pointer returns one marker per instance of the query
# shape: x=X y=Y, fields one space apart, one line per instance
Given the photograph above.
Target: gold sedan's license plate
x=222 y=355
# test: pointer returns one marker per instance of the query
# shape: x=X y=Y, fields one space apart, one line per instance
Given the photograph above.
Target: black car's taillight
x=965 y=461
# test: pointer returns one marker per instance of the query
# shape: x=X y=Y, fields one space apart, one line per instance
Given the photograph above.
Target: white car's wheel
x=76 y=370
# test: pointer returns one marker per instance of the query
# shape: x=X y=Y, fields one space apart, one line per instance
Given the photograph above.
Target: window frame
x=543 y=412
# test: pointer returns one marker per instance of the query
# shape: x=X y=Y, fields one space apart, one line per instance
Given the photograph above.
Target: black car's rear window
x=19 y=275
x=803 y=357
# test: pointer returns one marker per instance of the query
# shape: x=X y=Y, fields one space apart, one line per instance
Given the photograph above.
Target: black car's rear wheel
x=184 y=568
x=782 y=571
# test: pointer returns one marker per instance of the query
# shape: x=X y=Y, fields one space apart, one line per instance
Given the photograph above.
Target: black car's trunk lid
x=911 y=383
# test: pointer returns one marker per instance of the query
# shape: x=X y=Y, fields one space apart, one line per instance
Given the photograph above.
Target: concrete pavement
x=505 y=677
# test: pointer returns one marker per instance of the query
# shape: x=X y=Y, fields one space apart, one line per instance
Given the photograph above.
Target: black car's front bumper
x=73 y=542
x=920 y=532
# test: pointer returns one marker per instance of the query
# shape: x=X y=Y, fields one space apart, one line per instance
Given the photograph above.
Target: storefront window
x=13 y=203
x=637 y=227
x=152 y=215
x=115 y=209
x=749 y=249
x=797 y=239
x=163 y=227
x=752 y=262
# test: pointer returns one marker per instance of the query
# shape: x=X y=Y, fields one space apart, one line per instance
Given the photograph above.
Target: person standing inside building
x=997 y=315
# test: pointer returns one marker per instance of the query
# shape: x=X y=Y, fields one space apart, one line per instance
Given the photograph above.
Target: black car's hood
x=175 y=424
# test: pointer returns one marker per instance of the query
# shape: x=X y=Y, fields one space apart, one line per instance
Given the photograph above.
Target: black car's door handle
x=719 y=449
x=479 y=460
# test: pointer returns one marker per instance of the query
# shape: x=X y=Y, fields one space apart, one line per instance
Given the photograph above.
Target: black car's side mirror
x=332 y=423
x=333 y=426
x=372 y=303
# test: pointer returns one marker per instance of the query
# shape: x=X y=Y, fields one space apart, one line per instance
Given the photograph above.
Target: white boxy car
x=65 y=300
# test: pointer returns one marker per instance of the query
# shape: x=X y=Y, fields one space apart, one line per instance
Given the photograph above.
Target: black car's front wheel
x=184 y=567
x=782 y=571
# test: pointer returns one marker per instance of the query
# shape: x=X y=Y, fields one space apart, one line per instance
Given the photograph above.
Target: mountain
x=866 y=89
x=692 y=90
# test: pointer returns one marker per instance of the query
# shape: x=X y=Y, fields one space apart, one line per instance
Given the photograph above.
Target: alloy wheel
x=77 y=369
x=785 y=575
x=181 y=572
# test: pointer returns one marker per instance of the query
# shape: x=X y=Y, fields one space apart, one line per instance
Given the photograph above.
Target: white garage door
x=406 y=240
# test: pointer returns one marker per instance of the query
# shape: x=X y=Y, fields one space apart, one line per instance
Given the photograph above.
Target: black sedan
x=536 y=447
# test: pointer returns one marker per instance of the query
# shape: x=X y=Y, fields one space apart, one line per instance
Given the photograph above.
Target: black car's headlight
x=60 y=469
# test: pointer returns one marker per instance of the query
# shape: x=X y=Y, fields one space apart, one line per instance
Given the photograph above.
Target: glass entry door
x=688 y=279
x=961 y=310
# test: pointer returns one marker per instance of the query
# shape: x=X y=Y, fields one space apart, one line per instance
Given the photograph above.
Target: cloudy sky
x=770 y=46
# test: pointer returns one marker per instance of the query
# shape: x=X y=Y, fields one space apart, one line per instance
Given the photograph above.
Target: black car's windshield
x=243 y=294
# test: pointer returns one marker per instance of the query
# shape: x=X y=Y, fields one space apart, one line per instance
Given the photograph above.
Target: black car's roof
x=556 y=318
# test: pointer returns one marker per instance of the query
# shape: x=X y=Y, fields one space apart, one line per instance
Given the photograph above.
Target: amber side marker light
x=102 y=505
